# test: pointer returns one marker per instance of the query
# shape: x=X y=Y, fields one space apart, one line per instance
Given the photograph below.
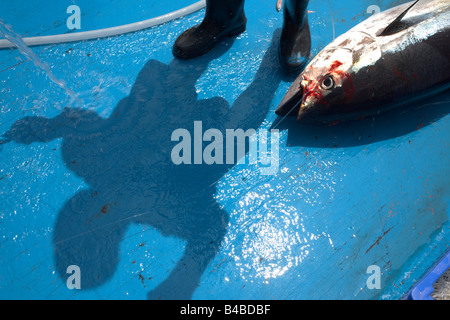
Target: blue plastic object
x=423 y=290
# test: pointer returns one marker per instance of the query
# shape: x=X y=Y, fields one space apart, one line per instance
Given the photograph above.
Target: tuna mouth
x=290 y=105
x=300 y=101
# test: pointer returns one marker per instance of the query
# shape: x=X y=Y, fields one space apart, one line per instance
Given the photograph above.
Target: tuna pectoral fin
x=392 y=27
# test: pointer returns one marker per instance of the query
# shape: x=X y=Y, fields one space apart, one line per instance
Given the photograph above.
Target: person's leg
x=295 y=42
x=223 y=18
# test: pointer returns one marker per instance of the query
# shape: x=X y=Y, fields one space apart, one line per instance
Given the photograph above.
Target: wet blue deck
x=95 y=187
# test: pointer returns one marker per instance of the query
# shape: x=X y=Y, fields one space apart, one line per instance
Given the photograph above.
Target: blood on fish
x=349 y=88
x=398 y=73
x=334 y=66
x=313 y=89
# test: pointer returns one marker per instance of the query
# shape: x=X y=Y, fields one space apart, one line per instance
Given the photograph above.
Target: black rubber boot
x=295 y=42
x=223 y=18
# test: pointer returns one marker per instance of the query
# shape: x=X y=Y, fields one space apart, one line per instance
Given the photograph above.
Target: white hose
x=108 y=32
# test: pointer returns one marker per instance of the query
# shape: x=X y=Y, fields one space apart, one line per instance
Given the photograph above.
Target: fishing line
x=287 y=114
x=332 y=20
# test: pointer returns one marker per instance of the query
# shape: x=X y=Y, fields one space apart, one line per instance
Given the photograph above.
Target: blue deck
x=95 y=187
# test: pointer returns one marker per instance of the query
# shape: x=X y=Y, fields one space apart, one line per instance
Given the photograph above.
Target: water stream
x=8 y=33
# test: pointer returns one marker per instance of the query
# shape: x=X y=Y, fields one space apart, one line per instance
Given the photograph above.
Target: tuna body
x=370 y=69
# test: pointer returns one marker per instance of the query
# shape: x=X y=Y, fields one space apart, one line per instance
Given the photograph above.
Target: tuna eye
x=328 y=83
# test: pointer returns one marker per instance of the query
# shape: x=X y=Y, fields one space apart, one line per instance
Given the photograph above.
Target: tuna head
x=326 y=90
